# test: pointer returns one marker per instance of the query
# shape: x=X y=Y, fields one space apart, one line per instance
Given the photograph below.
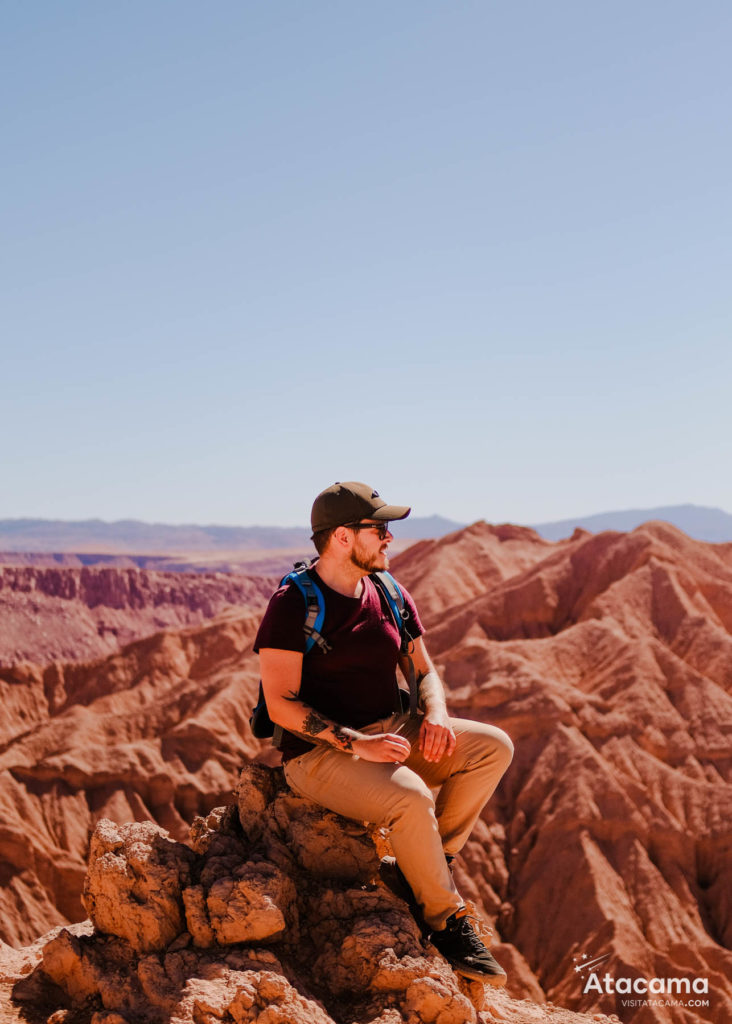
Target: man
x=349 y=746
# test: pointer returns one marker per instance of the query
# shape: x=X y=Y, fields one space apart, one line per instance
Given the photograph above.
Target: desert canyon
x=125 y=753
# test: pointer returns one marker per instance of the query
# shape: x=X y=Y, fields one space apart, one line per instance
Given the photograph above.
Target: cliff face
x=75 y=614
x=277 y=915
x=157 y=733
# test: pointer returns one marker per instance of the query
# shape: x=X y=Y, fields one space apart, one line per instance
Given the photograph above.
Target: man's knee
x=504 y=746
x=490 y=745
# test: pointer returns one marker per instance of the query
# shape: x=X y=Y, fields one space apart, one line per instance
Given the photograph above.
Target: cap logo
x=375 y=494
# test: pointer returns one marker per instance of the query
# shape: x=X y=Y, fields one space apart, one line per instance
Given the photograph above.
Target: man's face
x=369 y=551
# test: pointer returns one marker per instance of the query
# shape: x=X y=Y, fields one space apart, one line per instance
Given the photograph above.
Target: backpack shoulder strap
x=314 y=605
x=395 y=599
x=314 y=616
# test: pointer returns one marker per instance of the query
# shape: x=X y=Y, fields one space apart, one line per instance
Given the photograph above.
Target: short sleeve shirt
x=355 y=682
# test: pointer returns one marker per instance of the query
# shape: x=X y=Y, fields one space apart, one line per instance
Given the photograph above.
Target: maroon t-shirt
x=355 y=682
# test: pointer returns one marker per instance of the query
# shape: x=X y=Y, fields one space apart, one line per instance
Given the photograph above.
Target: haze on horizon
x=476 y=255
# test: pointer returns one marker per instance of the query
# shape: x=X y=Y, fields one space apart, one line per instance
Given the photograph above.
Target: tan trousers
x=399 y=796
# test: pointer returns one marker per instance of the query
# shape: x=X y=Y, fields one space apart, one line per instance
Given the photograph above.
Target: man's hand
x=384 y=747
x=436 y=738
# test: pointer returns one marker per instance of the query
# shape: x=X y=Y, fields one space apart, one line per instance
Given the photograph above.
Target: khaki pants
x=422 y=828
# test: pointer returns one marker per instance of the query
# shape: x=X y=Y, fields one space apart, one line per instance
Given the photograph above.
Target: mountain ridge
x=100 y=538
x=702 y=522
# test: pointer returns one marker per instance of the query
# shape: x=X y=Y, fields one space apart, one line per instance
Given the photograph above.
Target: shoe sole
x=494 y=980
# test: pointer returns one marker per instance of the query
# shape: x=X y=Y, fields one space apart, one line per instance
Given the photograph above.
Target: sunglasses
x=383 y=528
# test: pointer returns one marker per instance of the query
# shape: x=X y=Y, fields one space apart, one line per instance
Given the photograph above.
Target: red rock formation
x=609 y=661
x=606 y=657
x=75 y=614
x=458 y=567
x=157 y=733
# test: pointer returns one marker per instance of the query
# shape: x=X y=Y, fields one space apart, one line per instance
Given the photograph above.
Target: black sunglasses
x=383 y=528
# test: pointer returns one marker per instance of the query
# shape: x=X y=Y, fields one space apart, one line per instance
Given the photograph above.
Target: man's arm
x=281 y=673
x=436 y=737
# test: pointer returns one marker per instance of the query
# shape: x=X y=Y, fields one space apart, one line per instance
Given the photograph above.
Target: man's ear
x=341 y=536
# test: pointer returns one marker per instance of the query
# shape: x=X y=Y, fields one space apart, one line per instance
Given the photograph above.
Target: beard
x=368 y=562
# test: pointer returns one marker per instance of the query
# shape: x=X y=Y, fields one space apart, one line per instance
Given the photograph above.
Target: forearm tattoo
x=343 y=737
x=313 y=724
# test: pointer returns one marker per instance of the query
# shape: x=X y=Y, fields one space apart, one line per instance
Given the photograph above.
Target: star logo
x=583 y=963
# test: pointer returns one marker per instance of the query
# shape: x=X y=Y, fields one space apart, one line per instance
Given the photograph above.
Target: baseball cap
x=349 y=502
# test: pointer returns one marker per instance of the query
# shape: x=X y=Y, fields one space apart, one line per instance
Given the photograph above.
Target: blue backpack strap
x=314 y=616
x=260 y=722
x=395 y=599
x=314 y=606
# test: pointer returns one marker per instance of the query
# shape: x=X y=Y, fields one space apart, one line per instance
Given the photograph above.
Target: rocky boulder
x=275 y=912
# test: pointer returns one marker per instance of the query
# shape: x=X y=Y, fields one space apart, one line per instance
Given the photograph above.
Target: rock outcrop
x=246 y=923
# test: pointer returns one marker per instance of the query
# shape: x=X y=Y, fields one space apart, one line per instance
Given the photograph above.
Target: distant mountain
x=133 y=537
x=130 y=536
x=698 y=521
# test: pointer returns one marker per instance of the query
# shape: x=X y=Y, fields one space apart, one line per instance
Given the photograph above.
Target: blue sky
x=476 y=254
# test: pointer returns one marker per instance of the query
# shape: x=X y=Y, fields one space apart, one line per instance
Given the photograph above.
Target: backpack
x=260 y=723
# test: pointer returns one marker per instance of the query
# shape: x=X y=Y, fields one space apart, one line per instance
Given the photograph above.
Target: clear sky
x=477 y=254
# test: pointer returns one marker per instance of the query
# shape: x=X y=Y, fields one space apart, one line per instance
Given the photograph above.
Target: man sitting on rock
x=350 y=747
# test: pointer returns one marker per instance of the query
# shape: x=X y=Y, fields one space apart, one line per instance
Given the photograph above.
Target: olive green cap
x=349 y=502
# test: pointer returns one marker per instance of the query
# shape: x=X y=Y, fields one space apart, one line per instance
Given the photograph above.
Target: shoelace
x=474 y=928
x=477 y=947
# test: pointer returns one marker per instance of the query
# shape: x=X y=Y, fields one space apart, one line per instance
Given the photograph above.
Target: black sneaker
x=465 y=952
